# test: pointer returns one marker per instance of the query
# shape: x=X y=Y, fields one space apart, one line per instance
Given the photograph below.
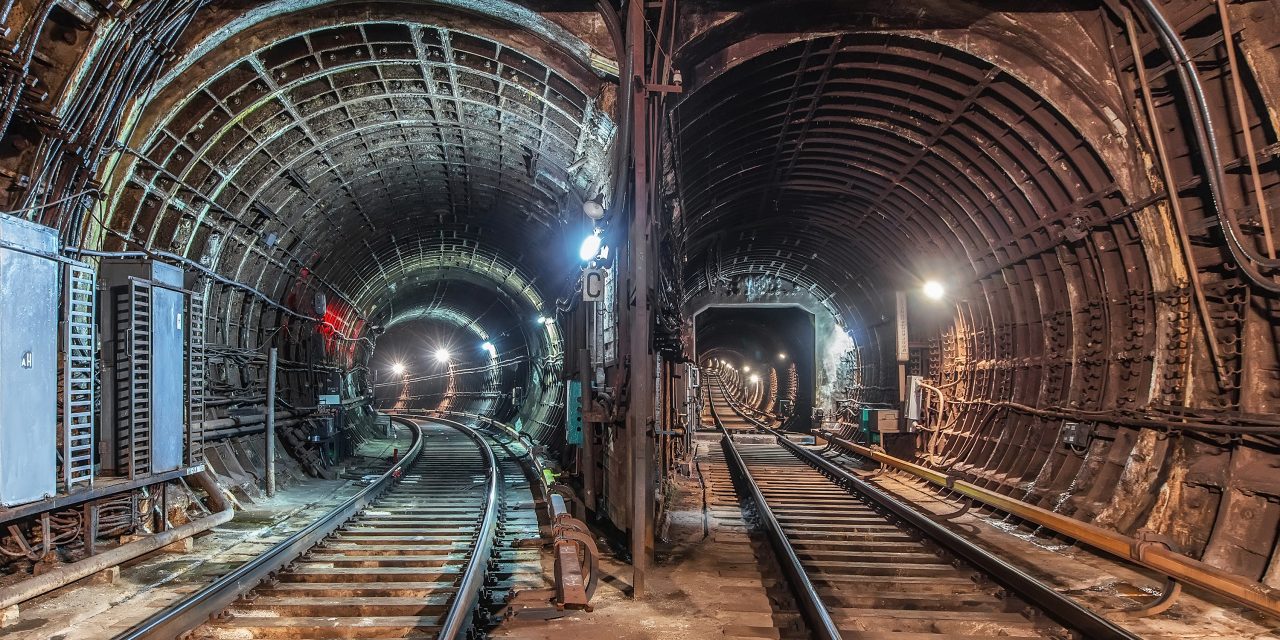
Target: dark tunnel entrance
x=777 y=344
x=453 y=345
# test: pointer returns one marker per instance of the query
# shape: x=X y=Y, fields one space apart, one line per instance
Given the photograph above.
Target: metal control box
x=881 y=420
x=915 y=390
x=145 y=332
x=29 y=294
x=1076 y=434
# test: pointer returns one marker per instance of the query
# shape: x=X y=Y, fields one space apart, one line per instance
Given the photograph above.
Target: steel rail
x=1059 y=607
x=457 y=622
x=1156 y=557
x=811 y=607
x=1064 y=610
x=197 y=608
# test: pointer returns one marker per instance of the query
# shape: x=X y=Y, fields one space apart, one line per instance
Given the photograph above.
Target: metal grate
x=78 y=358
x=195 y=379
x=133 y=378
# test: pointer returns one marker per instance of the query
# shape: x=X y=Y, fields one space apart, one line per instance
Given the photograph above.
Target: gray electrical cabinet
x=29 y=294
x=145 y=331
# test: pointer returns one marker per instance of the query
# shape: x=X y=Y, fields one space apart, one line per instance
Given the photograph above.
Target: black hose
x=1207 y=145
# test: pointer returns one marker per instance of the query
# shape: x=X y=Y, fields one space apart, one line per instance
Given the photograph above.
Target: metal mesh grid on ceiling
x=360 y=144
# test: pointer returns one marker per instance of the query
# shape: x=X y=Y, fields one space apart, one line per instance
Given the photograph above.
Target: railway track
x=865 y=565
x=408 y=557
x=729 y=420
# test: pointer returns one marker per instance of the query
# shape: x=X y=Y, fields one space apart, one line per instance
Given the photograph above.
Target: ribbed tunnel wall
x=1010 y=159
x=822 y=154
x=330 y=164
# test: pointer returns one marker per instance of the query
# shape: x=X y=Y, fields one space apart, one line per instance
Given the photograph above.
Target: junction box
x=28 y=361
x=152 y=368
x=48 y=348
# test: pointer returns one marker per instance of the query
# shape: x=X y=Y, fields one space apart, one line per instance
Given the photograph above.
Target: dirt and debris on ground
x=707 y=581
x=92 y=609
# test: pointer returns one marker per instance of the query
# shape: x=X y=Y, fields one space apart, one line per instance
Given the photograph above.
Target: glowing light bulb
x=590 y=247
x=934 y=290
x=442 y=355
x=397 y=368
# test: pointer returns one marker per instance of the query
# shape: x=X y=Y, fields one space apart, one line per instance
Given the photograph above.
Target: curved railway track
x=405 y=558
x=865 y=565
x=730 y=420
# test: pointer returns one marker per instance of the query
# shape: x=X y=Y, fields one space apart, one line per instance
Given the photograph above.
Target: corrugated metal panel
x=195 y=379
x=78 y=358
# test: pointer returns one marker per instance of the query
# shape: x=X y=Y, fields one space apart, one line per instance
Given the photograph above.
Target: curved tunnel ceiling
x=349 y=157
x=845 y=160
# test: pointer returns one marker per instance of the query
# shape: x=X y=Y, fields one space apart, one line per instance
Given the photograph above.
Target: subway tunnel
x=706 y=285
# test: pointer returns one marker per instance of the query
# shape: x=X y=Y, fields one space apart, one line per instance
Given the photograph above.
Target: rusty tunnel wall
x=827 y=153
x=1010 y=154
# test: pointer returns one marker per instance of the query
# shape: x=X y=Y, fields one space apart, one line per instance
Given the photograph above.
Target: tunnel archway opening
x=455 y=345
x=346 y=174
x=776 y=343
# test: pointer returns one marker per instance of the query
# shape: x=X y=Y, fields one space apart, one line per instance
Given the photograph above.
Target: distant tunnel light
x=397 y=368
x=782 y=356
x=490 y=349
x=755 y=378
x=934 y=290
x=590 y=247
x=745 y=368
x=442 y=355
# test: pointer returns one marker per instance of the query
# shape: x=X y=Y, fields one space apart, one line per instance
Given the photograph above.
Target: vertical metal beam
x=271 y=424
x=641 y=393
x=588 y=462
x=90 y=528
x=1175 y=204
x=903 y=347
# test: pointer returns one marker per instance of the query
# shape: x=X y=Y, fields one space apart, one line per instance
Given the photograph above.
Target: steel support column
x=640 y=416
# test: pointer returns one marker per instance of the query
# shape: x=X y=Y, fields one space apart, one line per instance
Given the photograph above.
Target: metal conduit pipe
x=1206 y=142
x=192 y=264
x=67 y=574
x=244 y=421
x=1150 y=554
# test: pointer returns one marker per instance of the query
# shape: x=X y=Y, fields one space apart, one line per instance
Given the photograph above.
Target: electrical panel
x=152 y=352
x=914 y=399
x=29 y=293
x=881 y=420
x=1076 y=434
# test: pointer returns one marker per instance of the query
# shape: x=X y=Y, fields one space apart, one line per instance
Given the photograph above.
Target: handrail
x=197 y=608
x=1146 y=553
x=811 y=606
x=457 y=622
